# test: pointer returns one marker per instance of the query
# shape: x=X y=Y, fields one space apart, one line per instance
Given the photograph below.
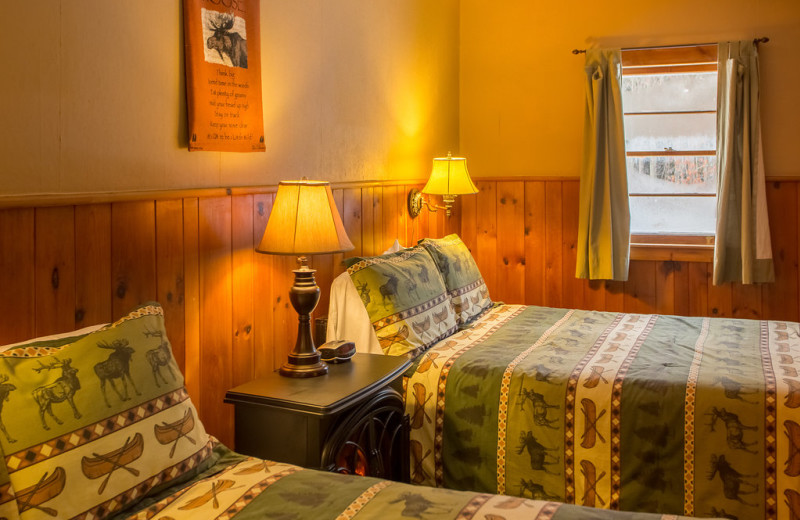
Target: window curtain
x=743 y=249
x=603 y=247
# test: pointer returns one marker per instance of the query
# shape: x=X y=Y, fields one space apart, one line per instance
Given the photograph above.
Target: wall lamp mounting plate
x=415 y=202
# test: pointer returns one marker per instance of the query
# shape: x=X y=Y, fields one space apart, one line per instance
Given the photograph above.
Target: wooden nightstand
x=350 y=420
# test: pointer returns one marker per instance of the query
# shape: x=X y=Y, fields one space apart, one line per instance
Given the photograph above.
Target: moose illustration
x=226 y=42
x=732 y=480
x=5 y=389
x=538 y=452
x=734 y=429
x=535 y=489
x=159 y=357
x=62 y=389
x=734 y=389
x=389 y=289
x=540 y=407
x=117 y=366
x=363 y=291
x=423 y=274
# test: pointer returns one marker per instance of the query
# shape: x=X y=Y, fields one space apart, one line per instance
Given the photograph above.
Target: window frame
x=670 y=60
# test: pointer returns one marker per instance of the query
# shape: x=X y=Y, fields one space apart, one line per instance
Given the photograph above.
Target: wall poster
x=223 y=75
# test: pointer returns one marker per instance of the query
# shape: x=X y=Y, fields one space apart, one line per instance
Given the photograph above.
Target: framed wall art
x=223 y=75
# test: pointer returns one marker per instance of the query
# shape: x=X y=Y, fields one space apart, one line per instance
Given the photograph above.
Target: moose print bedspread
x=253 y=489
x=695 y=416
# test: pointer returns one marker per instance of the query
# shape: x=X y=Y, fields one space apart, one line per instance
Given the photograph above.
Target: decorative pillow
x=93 y=423
x=464 y=282
x=406 y=300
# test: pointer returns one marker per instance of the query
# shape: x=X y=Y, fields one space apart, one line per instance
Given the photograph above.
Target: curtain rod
x=756 y=41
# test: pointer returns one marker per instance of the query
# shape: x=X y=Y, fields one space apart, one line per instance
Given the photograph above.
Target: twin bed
x=521 y=408
x=695 y=416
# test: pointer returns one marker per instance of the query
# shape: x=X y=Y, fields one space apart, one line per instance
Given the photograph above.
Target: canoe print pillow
x=91 y=424
x=463 y=279
x=405 y=298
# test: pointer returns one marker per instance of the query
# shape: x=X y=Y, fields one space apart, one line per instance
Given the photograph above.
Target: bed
x=695 y=416
x=97 y=424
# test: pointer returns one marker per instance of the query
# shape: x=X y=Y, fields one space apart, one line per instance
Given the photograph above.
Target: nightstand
x=351 y=420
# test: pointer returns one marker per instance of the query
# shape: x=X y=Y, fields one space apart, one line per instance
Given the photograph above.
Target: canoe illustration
x=105 y=464
x=210 y=495
x=47 y=488
x=390 y=339
x=264 y=465
x=169 y=432
x=172 y=432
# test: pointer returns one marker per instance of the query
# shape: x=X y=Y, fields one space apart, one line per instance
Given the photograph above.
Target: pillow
x=348 y=319
x=93 y=423
x=406 y=300
x=463 y=279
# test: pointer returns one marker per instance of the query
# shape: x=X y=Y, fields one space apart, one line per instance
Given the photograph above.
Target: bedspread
x=696 y=416
x=250 y=489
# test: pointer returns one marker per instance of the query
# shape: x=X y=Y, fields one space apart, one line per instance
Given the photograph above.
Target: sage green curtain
x=603 y=247
x=743 y=249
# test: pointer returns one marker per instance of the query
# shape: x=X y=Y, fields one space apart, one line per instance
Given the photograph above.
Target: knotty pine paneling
x=491 y=224
x=226 y=306
x=227 y=309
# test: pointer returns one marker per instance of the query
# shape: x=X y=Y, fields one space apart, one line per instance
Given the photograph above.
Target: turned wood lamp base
x=304 y=360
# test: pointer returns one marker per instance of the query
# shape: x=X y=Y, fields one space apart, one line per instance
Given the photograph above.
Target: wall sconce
x=449 y=178
x=304 y=221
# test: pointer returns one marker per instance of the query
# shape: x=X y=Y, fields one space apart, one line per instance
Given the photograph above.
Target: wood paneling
x=548 y=221
x=17 y=275
x=227 y=310
x=93 y=265
x=55 y=269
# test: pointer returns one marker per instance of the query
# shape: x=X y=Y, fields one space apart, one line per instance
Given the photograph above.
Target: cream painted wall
x=92 y=96
x=522 y=88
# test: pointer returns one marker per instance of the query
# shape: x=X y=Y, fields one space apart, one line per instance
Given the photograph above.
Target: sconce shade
x=304 y=221
x=449 y=177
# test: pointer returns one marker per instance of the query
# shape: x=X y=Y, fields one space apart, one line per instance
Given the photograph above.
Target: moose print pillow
x=463 y=279
x=91 y=424
x=405 y=298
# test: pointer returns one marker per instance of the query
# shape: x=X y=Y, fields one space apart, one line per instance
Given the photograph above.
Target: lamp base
x=304 y=359
x=298 y=366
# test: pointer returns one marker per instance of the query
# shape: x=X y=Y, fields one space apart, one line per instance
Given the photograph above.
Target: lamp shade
x=304 y=221
x=449 y=177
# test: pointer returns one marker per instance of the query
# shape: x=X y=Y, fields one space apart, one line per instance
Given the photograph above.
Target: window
x=669 y=99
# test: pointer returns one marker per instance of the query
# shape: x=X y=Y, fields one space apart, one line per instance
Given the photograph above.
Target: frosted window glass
x=680 y=132
x=669 y=92
x=673 y=215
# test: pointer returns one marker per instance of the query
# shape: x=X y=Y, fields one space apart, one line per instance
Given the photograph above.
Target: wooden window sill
x=660 y=252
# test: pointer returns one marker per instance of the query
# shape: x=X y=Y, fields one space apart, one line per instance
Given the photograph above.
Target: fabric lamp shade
x=304 y=221
x=449 y=177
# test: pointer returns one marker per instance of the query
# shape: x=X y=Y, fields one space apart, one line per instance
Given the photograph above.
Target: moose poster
x=223 y=75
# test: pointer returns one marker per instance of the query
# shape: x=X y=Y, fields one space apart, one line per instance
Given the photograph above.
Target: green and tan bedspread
x=254 y=489
x=623 y=411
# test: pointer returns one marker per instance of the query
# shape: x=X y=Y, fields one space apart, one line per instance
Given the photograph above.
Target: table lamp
x=304 y=221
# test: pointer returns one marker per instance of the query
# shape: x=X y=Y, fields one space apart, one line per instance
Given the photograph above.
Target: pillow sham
x=463 y=279
x=406 y=300
x=93 y=423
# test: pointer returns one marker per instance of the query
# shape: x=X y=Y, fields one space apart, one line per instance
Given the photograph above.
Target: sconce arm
x=416 y=201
